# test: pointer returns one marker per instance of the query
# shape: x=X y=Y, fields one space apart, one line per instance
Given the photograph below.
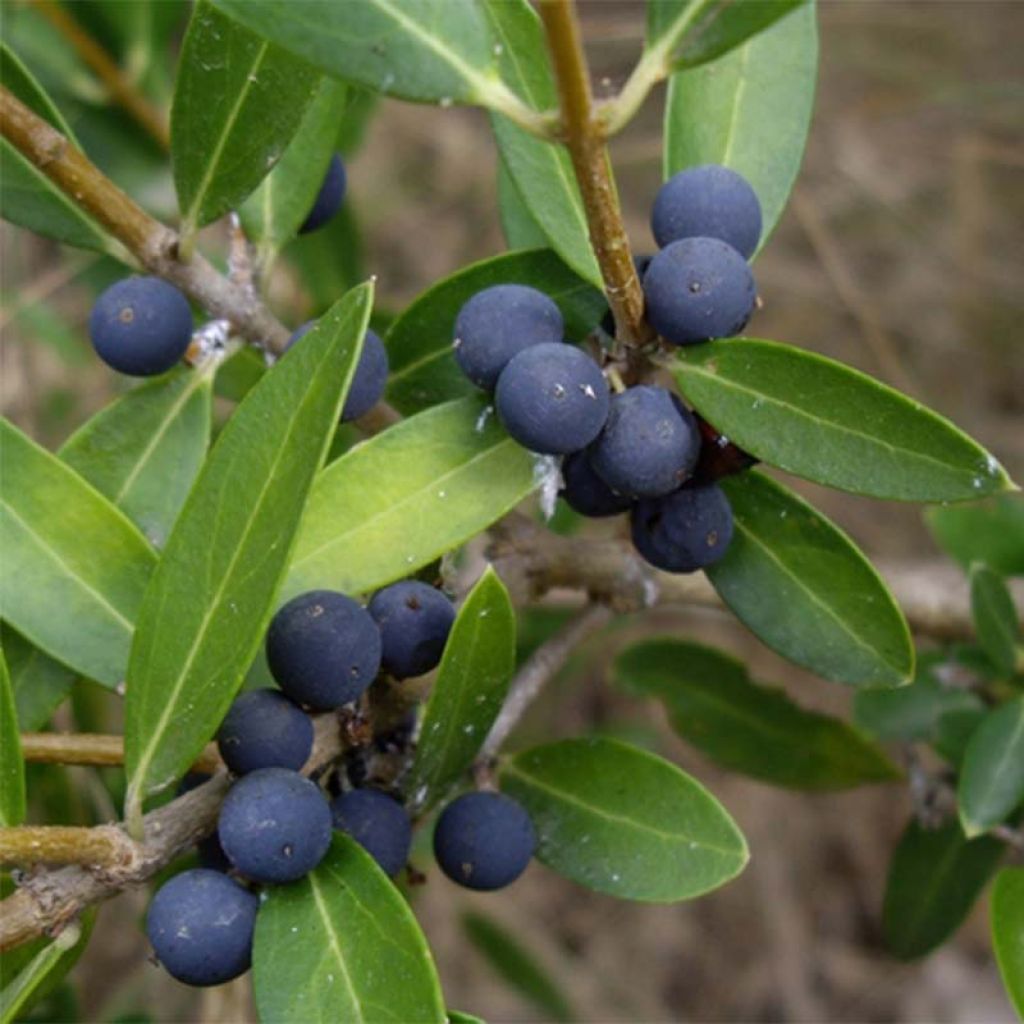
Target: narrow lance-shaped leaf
x=624 y=822
x=54 y=959
x=12 y=766
x=211 y=597
x=398 y=501
x=419 y=342
x=75 y=567
x=520 y=229
x=1007 y=912
x=992 y=777
x=995 y=618
x=238 y=100
x=713 y=704
x=829 y=423
x=39 y=682
x=478 y=662
x=355 y=951
x=802 y=586
x=990 y=531
x=143 y=451
x=749 y=110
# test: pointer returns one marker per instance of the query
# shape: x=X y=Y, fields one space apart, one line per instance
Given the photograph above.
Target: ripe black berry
x=328 y=199
x=264 y=729
x=586 y=492
x=378 y=823
x=414 y=621
x=684 y=531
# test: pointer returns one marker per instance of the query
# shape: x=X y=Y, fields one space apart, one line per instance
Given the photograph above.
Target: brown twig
x=105 y=846
x=94 y=749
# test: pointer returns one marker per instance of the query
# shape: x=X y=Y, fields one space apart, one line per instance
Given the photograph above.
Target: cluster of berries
x=635 y=450
x=275 y=824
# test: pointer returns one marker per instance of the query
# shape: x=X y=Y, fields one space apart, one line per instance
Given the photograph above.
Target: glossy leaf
x=995 y=618
x=143 y=451
x=757 y=730
x=273 y=214
x=992 y=778
x=478 y=662
x=425 y=50
x=398 y=501
x=517 y=966
x=624 y=822
x=827 y=422
x=419 y=342
x=213 y=592
x=53 y=959
x=354 y=950
x=802 y=586
x=934 y=878
x=39 y=683
x=517 y=224
x=990 y=531
x=75 y=567
x=27 y=196
x=749 y=110
x=238 y=100
x=1007 y=913
x=12 y=765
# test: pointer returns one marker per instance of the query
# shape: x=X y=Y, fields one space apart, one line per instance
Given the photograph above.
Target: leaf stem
x=94 y=749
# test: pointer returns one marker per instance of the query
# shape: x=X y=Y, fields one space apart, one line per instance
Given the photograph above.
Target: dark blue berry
x=200 y=924
x=323 y=649
x=274 y=825
x=497 y=324
x=708 y=202
x=414 y=621
x=264 y=729
x=484 y=840
x=586 y=492
x=552 y=399
x=378 y=823
x=649 y=445
x=684 y=531
x=141 y=326
x=370 y=377
x=329 y=198
x=698 y=289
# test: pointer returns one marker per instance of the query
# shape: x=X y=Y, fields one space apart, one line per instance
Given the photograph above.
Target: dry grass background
x=901 y=254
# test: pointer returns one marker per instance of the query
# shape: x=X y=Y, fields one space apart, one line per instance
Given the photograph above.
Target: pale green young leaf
x=12 y=765
x=995 y=618
x=1007 y=914
x=39 y=682
x=991 y=782
x=990 y=531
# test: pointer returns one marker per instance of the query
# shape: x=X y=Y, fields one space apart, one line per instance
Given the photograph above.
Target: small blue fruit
x=552 y=398
x=274 y=825
x=499 y=323
x=414 y=621
x=649 y=445
x=378 y=823
x=484 y=840
x=708 y=202
x=200 y=924
x=328 y=199
x=141 y=326
x=684 y=531
x=264 y=729
x=370 y=377
x=586 y=492
x=698 y=289
x=323 y=649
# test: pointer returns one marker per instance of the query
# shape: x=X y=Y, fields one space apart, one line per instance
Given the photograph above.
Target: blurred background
x=901 y=253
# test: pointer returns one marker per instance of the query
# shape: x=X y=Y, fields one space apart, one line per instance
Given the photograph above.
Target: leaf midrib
x=332 y=938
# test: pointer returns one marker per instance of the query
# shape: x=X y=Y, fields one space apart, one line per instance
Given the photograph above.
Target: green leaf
x=990 y=531
x=239 y=374
x=354 y=950
x=478 y=662
x=995 y=618
x=934 y=878
x=802 y=586
x=829 y=423
x=517 y=224
x=398 y=501
x=27 y=196
x=458 y=1017
x=624 y=822
x=541 y=171
x=238 y=101
x=749 y=110
x=273 y=214
x=143 y=451
x=421 y=50
x=39 y=683
x=330 y=260
x=954 y=731
x=1007 y=911
x=12 y=766
x=757 y=730
x=38 y=976
x=213 y=592
x=423 y=369
x=75 y=567
x=516 y=965
x=992 y=778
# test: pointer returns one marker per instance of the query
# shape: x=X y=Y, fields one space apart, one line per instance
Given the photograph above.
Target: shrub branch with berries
x=306 y=591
